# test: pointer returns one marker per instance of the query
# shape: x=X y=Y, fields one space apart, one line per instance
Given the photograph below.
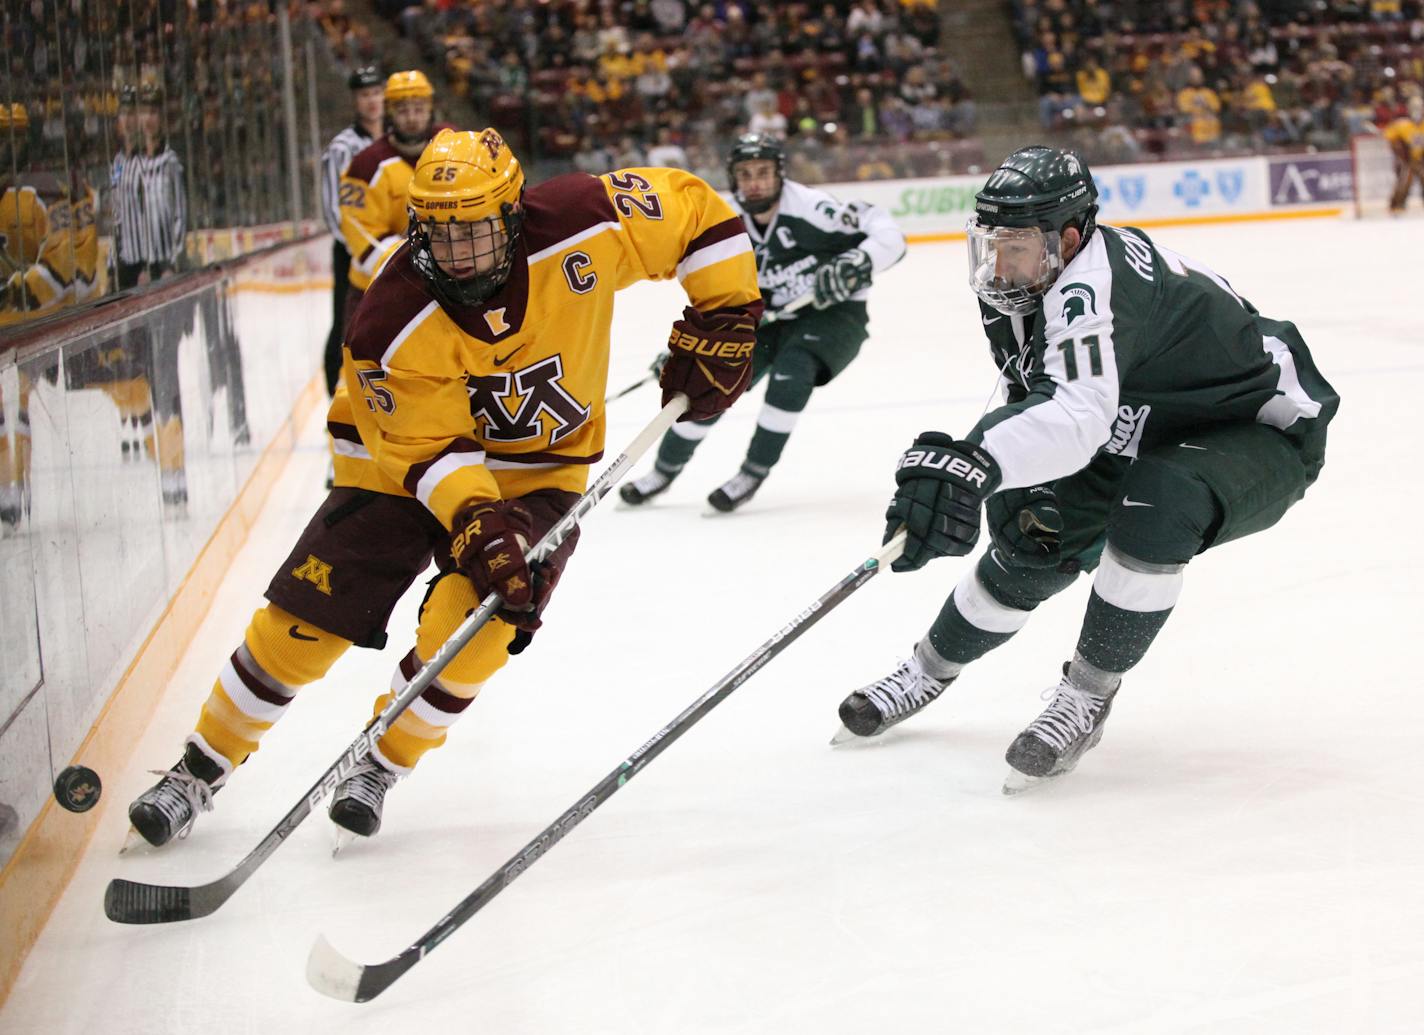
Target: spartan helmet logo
x=1078 y=300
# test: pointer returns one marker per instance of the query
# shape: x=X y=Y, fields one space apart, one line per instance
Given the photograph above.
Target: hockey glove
x=488 y=545
x=710 y=360
x=1026 y=526
x=842 y=277
x=942 y=487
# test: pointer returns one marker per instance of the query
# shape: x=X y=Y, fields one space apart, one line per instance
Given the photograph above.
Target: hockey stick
x=331 y=973
x=131 y=902
x=800 y=302
x=657 y=368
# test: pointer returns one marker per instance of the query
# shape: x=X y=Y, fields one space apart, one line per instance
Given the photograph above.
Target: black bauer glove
x=942 y=487
x=841 y=277
x=1026 y=526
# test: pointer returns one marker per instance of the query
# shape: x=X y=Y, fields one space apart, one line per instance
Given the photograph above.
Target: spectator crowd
x=1138 y=79
x=858 y=89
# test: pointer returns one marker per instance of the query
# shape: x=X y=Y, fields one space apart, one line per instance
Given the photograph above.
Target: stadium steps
x=978 y=35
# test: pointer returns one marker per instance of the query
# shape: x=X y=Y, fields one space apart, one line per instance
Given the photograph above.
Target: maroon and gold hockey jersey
x=478 y=402
x=373 y=197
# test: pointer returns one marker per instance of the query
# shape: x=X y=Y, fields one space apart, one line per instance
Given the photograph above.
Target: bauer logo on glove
x=710 y=359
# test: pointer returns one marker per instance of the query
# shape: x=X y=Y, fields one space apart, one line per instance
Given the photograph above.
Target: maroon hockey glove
x=488 y=544
x=710 y=361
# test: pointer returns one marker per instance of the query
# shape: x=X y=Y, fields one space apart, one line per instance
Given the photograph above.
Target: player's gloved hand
x=841 y=277
x=488 y=543
x=710 y=360
x=1026 y=526
x=942 y=487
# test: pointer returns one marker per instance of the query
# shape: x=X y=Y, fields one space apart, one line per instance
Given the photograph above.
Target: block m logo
x=536 y=392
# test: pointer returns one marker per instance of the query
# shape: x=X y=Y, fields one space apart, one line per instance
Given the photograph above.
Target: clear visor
x=467 y=250
x=1010 y=267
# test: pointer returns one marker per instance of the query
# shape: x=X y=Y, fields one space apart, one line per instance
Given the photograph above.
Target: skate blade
x=845 y=738
x=342 y=839
x=1017 y=783
x=134 y=844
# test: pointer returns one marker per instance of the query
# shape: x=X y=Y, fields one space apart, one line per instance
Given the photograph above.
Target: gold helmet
x=403 y=86
x=466 y=212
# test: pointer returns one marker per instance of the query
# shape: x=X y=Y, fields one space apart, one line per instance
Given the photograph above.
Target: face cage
x=1021 y=294
x=756 y=208
x=476 y=288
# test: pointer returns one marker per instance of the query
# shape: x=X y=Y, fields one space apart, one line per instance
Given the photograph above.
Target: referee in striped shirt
x=368 y=93
x=150 y=203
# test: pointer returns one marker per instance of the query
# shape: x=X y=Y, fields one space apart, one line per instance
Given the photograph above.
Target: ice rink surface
x=1243 y=853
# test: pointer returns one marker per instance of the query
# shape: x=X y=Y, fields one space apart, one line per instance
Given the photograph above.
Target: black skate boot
x=873 y=709
x=1053 y=743
x=740 y=488
x=640 y=490
x=168 y=808
x=360 y=799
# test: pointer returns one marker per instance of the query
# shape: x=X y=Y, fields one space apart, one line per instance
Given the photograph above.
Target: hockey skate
x=873 y=709
x=359 y=801
x=1053 y=743
x=169 y=808
x=740 y=488
x=640 y=490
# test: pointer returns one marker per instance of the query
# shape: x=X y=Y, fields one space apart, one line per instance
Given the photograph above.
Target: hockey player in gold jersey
x=476 y=369
x=1406 y=139
x=373 y=188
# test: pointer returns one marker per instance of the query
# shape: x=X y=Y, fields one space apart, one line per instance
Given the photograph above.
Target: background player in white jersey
x=368 y=97
x=1151 y=413
x=806 y=242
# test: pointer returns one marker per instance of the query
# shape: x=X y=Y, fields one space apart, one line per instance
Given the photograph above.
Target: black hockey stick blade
x=128 y=902
x=332 y=974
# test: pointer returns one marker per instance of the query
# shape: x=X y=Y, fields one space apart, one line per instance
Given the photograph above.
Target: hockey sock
x=423 y=725
x=681 y=441
x=279 y=655
x=1130 y=603
x=793 y=376
x=972 y=623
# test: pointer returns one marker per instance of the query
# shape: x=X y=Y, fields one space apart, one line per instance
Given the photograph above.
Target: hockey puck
x=77 y=788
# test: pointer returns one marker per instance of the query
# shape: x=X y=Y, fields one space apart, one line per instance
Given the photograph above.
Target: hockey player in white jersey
x=1151 y=413
x=808 y=244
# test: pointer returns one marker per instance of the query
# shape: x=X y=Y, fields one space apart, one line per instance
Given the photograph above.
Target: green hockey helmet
x=1015 y=235
x=752 y=147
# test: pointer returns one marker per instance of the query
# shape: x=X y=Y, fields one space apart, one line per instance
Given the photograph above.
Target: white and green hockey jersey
x=811 y=227
x=1133 y=346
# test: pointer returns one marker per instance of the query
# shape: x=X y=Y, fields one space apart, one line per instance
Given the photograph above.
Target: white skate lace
x=180 y=796
x=905 y=690
x=740 y=484
x=651 y=482
x=368 y=784
x=1070 y=715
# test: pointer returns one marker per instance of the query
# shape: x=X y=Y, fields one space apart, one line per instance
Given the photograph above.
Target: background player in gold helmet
x=475 y=371
x=373 y=187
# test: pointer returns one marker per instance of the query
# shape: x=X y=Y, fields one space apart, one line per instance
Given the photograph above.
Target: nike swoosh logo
x=811 y=337
x=1134 y=503
x=1185 y=445
x=294 y=634
x=500 y=361
x=781 y=377
x=991 y=319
